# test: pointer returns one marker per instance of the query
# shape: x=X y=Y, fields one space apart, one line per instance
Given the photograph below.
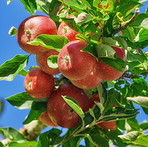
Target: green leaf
x=50 y=41
x=71 y=142
x=130 y=33
x=23 y=100
x=102 y=93
x=140 y=100
x=144 y=126
x=30 y=6
x=43 y=6
x=104 y=50
x=92 y=115
x=140 y=87
x=1 y=106
x=99 y=140
x=23 y=72
x=12 y=134
x=37 y=109
x=12 y=67
x=110 y=41
x=130 y=137
x=142 y=140
x=127 y=7
x=71 y=23
x=142 y=35
x=141 y=21
x=113 y=136
x=51 y=137
x=12 y=31
x=120 y=114
x=74 y=105
x=1 y=145
x=8 y=2
x=23 y=144
x=116 y=63
x=75 y=4
x=52 y=61
x=90 y=48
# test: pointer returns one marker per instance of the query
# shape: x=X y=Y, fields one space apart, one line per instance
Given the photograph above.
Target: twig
x=123 y=25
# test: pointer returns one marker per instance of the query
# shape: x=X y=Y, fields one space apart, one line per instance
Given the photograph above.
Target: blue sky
x=13 y=15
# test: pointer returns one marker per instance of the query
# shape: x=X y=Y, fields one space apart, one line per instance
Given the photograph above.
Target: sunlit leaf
x=23 y=100
x=140 y=100
x=12 y=67
x=52 y=61
x=50 y=41
x=12 y=31
x=30 y=6
x=74 y=105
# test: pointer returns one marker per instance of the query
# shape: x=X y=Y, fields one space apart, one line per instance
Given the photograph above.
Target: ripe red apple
x=65 y=30
x=45 y=119
x=30 y=28
x=60 y=112
x=73 y=63
x=89 y=82
x=107 y=72
x=42 y=62
x=39 y=84
x=111 y=125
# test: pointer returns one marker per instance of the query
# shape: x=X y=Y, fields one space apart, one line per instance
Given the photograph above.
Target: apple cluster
x=82 y=69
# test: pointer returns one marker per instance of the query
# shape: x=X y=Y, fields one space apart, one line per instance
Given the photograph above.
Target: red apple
x=30 y=28
x=39 y=84
x=107 y=72
x=111 y=125
x=42 y=62
x=45 y=119
x=89 y=82
x=60 y=112
x=65 y=30
x=73 y=63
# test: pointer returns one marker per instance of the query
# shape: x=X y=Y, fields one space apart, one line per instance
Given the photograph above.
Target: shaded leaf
x=23 y=144
x=90 y=48
x=51 y=137
x=119 y=114
x=37 y=109
x=141 y=20
x=116 y=63
x=144 y=126
x=1 y=145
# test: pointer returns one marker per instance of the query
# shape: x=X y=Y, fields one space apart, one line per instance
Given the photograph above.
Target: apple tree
x=92 y=70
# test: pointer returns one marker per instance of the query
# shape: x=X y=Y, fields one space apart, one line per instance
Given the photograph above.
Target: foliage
x=120 y=24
